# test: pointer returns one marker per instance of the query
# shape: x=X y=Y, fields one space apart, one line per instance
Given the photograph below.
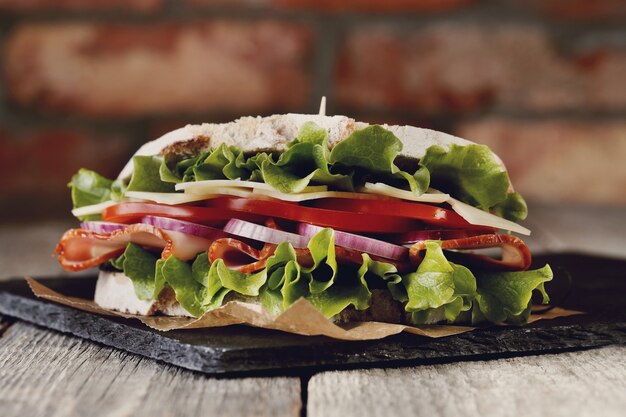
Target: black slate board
x=598 y=287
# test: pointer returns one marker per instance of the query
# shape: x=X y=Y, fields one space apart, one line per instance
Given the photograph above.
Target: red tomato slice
x=424 y=212
x=340 y=220
x=133 y=212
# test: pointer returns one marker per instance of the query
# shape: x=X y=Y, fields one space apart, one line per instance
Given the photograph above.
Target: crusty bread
x=114 y=291
x=273 y=133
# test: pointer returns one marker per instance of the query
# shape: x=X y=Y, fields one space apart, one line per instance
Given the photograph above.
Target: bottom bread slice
x=115 y=291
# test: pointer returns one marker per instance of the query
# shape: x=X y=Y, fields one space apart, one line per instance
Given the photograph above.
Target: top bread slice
x=273 y=133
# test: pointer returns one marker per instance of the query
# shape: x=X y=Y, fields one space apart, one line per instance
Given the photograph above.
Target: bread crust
x=115 y=291
x=187 y=148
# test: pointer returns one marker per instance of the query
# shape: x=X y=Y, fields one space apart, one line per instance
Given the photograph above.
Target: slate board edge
x=68 y=320
x=217 y=361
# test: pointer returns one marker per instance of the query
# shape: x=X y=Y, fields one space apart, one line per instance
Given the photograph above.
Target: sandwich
x=367 y=222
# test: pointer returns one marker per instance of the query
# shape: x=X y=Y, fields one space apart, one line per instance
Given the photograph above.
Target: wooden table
x=44 y=373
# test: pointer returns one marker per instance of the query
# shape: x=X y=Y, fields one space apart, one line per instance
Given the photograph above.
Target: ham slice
x=515 y=254
x=80 y=249
x=240 y=256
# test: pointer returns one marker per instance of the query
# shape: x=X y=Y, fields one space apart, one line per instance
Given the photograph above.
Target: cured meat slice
x=515 y=254
x=80 y=249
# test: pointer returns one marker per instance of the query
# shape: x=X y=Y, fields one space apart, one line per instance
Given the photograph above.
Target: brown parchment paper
x=300 y=318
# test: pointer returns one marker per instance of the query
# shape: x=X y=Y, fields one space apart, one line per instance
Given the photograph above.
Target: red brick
x=375 y=5
x=123 y=70
x=80 y=5
x=577 y=10
x=559 y=160
x=460 y=68
x=42 y=161
x=341 y=6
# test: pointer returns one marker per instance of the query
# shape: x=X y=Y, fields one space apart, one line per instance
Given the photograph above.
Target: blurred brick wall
x=85 y=82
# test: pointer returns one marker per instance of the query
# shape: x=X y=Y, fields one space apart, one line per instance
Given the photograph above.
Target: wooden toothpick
x=322 y=111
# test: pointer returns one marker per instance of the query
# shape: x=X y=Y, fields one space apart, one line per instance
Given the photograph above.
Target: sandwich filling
x=331 y=224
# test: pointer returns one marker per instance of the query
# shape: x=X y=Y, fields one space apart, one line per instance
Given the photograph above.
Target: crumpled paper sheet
x=300 y=318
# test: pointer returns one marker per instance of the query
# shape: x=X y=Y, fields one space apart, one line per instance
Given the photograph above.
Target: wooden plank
x=43 y=373
x=570 y=384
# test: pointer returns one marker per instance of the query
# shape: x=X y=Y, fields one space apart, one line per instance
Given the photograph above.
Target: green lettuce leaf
x=470 y=173
x=324 y=269
x=159 y=278
x=305 y=160
x=168 y=175
x=254 y=163
x=225 y=162
x=242 y=283
x=329 y=287
x=381 y=274
x=438 y=289
x=513 y=208
x=118 y=263
x=181 y=171
x=505 y=297
x=88 y=188
x=212 y=167
x=270 y=294
x=331 y=290
x=147 y=175
x=188 y=282
x=118 y=188
x=216 y=292
x=140 y=266
x=311 y=133
x=295 y=286
x=222 y=281
x=374 y=150
x=237 y=166
x=340 y=296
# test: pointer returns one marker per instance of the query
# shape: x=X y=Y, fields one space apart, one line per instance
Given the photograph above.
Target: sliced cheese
x=221 y=183
x=168 y=198
x=216 y=188
x=208 y=186
x=479 y=217
x=216 y=191
x=315 y=195
x=93 y=209
x=387 y=190
x=472 y=214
